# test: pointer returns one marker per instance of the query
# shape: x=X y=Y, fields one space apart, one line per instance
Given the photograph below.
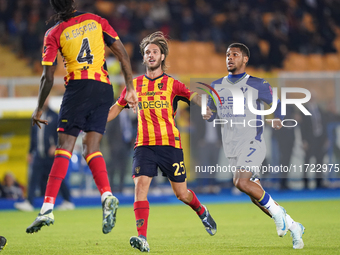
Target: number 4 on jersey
x=84 y=54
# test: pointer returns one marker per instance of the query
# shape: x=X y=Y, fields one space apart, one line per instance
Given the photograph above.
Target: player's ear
x=245 y=59
x=162 y=57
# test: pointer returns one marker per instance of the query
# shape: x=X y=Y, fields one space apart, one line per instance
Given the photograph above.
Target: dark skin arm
x=119 y=51
x=46 y=84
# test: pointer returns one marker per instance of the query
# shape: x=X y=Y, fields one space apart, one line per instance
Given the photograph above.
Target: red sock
x=57 y=174
x=195 y=204
x=141 y=209
x=97 y=165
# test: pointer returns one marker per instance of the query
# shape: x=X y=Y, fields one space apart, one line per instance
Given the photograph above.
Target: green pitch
x=175 y=229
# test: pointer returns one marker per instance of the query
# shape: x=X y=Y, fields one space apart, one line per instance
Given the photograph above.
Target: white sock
x=45 y=207
x=291 y=225
x=272 y=207
x=105 y=194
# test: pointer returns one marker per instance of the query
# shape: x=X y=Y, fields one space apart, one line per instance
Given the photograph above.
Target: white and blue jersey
x=241 y=131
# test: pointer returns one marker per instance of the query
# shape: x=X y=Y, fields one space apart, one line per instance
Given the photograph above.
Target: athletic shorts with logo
x=250 y=158
x=147 y=159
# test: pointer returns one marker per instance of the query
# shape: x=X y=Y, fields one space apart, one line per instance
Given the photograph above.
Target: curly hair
x=159 y=39
x=64 y=9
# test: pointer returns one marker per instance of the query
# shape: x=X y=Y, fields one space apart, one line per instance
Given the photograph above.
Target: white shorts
x=250 y=158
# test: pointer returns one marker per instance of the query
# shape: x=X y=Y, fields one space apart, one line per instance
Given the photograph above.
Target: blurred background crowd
x=303 y=26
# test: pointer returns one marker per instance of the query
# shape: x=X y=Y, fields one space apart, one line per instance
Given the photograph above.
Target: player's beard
x=154 y=67
x=232 y=69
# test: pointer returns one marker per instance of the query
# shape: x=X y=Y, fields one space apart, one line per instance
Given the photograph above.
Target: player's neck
x=154 y=73
x=236 y=74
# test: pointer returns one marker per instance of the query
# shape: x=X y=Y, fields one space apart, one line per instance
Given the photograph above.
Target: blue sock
x=264 y=199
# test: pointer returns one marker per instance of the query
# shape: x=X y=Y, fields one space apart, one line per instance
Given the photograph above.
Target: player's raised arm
x=119 y=51
x=46 y=84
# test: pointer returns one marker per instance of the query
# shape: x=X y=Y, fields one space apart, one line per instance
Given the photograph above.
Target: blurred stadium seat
x=10 y=64
x=315 y=62
x=295 y=62
x=332 y=62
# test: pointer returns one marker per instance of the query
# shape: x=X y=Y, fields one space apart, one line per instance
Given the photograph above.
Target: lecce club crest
x=160 y=85
x=139 y=223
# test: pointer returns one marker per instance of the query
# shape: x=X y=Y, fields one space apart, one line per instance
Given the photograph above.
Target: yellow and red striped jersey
x=80 y=41
x=156 y=124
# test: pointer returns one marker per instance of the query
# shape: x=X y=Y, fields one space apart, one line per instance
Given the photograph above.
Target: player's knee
x=182 y=196
x=84 y=151
x=87 y=152
x=141 y=191
x=241 y=184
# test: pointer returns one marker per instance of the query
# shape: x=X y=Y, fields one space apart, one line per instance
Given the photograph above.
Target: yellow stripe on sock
x=91 y=156
x=63 y=152
x=262 y=196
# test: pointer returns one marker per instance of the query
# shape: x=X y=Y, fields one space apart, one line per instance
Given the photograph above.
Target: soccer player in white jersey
x=242 y=138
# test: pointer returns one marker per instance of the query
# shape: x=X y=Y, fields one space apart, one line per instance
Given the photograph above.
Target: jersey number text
x=85 y=48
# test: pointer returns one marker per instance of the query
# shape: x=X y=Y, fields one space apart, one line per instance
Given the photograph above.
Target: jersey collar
x=235 y=78
x=154 y=78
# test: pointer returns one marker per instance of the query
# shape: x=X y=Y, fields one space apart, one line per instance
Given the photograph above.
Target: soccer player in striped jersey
x=244 y=145
x=158 y=142
x=80 y=38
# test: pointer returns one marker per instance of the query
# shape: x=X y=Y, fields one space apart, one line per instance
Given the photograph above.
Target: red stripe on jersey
x=169 y=129
x=165 y=82
x=145 y=128
x=172 y=99
x=137 y=140
x=106 y=74
x=163 y=97
x=97 y=76
x=72 y=76
x=139 y=84
x=151 y=87
x=156 y=127
x=138 y=88
x=84 y=74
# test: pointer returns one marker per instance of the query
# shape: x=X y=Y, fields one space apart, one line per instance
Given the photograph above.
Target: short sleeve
x=50 y=50
x=110 y=35
x=180 y=89
x=266 y=95
x=121 y=101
